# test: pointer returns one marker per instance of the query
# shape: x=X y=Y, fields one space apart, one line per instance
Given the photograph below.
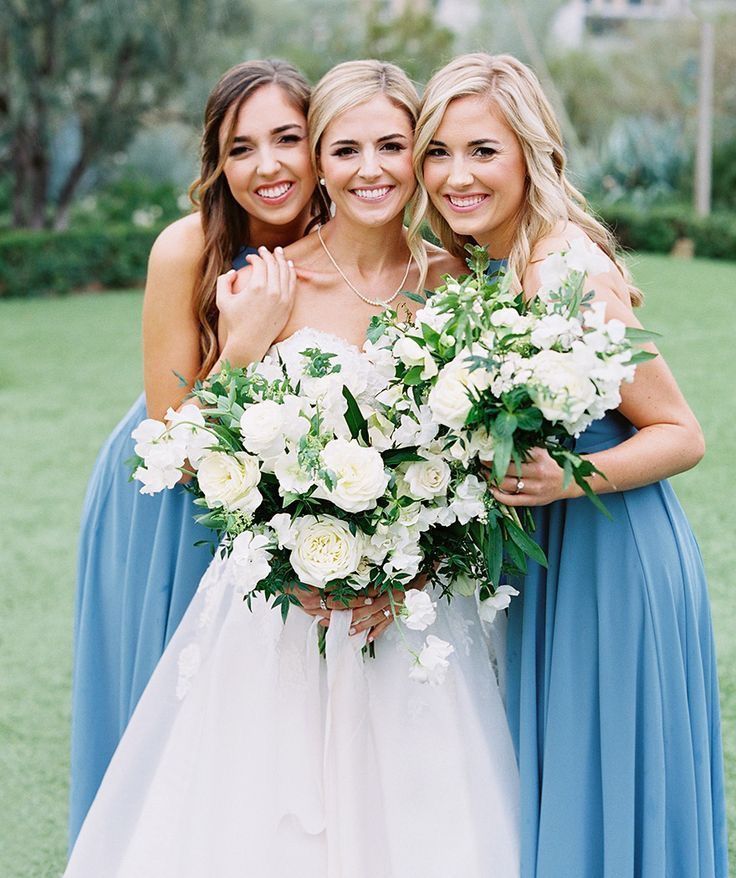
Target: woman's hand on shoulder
x=254 y=305
x=170 y=330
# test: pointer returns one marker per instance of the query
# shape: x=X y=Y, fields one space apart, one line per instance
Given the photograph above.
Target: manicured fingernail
x=368 y=601
x=279 y=249
x=371 y=639
x=291 y=264
x=352 y=630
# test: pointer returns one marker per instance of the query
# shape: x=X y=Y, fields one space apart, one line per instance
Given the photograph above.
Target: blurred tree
x=102 y=65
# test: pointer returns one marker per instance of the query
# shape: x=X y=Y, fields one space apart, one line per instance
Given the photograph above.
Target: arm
x=170 y=331
x=669 y=439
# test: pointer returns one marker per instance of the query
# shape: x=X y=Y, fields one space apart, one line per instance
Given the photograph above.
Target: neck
x=266 y=235
x=371 y=250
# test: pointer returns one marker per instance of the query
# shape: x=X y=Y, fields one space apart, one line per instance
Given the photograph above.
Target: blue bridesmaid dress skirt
x=613 y=694
x=138 y=570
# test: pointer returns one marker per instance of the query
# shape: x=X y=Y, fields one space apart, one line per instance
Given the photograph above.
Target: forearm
x=654 y=453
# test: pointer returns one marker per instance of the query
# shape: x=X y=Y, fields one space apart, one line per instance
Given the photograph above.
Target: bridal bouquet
x=307 y=464
x=498 y=376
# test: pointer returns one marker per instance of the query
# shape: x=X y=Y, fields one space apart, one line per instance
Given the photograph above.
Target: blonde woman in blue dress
x=612 y=686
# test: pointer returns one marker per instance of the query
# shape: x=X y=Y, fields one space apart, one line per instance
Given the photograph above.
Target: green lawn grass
x=69 y=368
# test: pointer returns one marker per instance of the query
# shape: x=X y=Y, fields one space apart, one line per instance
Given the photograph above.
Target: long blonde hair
x=515 y=92
x=224 y=222
x=348 y=85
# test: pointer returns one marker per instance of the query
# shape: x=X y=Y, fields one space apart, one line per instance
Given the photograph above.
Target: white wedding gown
x=250 y=755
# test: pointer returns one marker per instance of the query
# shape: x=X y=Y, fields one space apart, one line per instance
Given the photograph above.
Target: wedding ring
x=322 y=604
x=519 y=486
x=386 y=612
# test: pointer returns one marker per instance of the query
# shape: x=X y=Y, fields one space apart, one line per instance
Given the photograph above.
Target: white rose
x=324 y=549
x=427 y=478
x=430 y=665
x=360 y=475
x=488 y=609
x=467 y=503
x=262 y=428
x=560 y=386
x=449 y=399
x=230 y=480
x=419 y=610
x=250 y=560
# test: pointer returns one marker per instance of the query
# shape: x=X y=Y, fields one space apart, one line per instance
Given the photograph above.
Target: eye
x=290 y=139
x=436 y=152
x=485 y=152
x=343 y=151
x=393 y=146
x=239 y=151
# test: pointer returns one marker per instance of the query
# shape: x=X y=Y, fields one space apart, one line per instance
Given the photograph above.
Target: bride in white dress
x=250 y=754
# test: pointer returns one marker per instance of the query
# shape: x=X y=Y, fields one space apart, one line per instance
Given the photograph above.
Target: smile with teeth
x=274 y=192
x=372 y=194
x=465 y=200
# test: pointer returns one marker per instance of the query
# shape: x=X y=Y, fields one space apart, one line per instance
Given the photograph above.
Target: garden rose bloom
x=428 y=478
x=324 y=549
x=230 y=480
x=449 y=399
x=361 y=476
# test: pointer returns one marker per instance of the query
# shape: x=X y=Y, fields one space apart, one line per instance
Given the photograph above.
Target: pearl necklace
x=377 y=303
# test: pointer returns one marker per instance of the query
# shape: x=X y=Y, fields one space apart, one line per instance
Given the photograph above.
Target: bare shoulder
x=180 y=244
x=439 y=263
x=301 y=252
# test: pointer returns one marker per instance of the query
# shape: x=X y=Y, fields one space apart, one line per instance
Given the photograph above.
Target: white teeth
x=274 y=191
x=468 y=201
x=372 y=194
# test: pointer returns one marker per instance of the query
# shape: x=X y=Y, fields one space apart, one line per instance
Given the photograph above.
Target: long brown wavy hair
x=225 y=224
x=514 y=90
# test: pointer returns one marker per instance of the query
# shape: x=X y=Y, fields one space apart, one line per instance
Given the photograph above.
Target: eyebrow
x=279 y=130
x=479 y=142
x=380 y=140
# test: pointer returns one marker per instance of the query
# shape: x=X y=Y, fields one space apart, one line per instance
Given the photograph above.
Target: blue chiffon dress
x=612 y=691
x=138 y=570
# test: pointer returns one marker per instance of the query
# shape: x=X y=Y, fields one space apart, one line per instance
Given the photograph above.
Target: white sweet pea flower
x=427 y=478
x=281 y=526
x=250 y=560
x=155 y=479
x=188 y=426
x=417 y=428
x=586 y=257
x=481 y=444
x=380 y=431
x=555 y=329
x=553 y=272
x=292 y=478
x=511 y=319
x=324 y=549
x=159 y=448
x=430 y=316
x=430 y=665
x=419 y=610
x=467 y=502
x=560 y=385
x=489 y=608
x=230 y=480
x=360 y=473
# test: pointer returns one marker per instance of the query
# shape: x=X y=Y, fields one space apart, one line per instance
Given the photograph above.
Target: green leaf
x=527 y=545
x=505 y=424
x=357 y=424
x=639 y=336
x=501 y=456
x=413 y=376
x=415 y=297
x=642 y=357
x=493 y=551
x=400 y=455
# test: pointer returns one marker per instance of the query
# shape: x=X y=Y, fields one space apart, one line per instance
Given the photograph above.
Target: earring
x=322 y=181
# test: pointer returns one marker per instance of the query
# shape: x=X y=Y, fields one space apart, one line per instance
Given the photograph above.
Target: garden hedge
x=42 y=263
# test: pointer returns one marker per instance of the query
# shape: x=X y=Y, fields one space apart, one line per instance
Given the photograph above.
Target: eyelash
x=286 y=140
x=391 y=146
x=481 y=152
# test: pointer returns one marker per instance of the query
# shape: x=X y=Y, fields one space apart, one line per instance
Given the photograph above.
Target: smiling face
x=365 y=158
x=268 y=168
x=475 y=173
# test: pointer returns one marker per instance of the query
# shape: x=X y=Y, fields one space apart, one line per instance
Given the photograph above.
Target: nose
x=460 y=175
x=268 y=163
x=370 y=167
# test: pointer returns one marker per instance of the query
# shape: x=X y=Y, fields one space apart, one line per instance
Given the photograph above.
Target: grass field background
x=69 y=368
